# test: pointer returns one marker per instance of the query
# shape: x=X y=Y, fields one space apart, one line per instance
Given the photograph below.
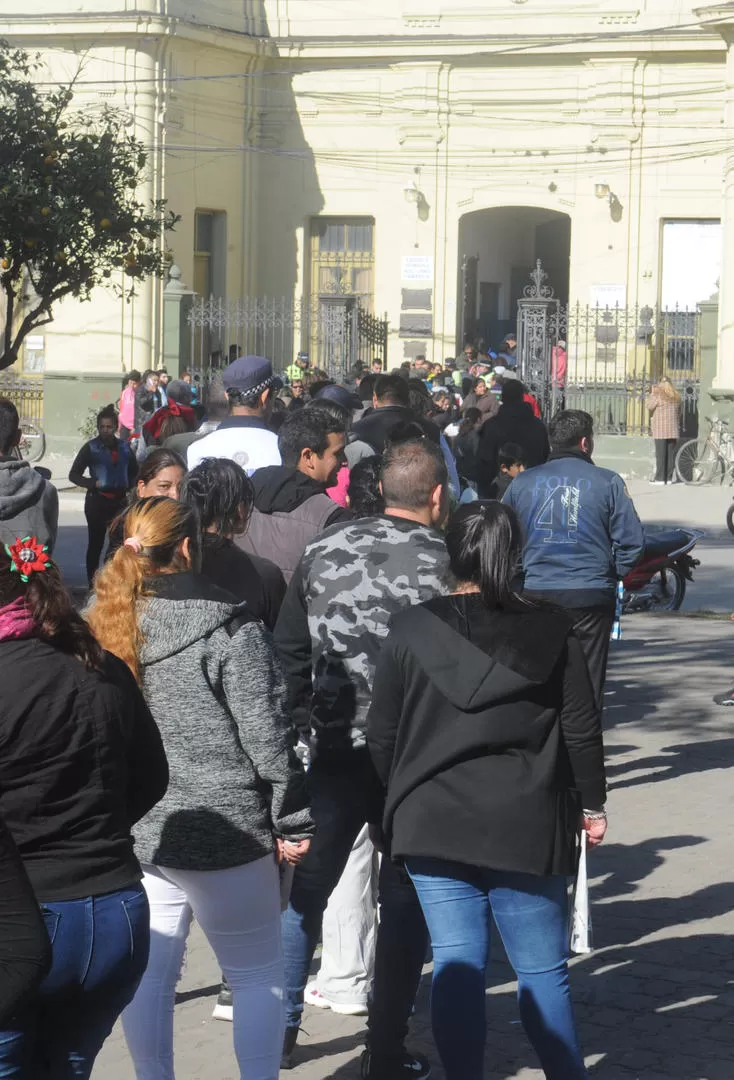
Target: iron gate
x=336 y=332
x=613 y=356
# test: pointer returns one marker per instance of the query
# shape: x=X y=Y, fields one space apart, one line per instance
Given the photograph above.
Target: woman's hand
x=292 y=851
x=595 y=827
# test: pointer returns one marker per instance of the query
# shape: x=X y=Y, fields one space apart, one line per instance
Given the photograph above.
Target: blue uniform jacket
x=582 y=532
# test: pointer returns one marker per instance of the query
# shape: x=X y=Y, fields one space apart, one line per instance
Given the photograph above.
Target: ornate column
x=720 y=18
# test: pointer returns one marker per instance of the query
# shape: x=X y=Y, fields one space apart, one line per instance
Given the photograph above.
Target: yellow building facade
x=420 y=157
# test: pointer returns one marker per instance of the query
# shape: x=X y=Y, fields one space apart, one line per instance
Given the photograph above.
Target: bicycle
x=32 y=443
x=703 y=460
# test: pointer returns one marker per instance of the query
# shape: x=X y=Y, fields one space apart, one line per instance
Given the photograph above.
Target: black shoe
x=289 y=1045
x=725 y=699
x=223 y=1009
x=404 y=1067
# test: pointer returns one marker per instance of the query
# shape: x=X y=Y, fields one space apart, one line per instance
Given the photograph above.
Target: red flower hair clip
x=27 y=556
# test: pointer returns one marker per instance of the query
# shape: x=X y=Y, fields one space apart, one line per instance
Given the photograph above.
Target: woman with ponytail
x=237 y=798
x=483 y=728
x=81 y=761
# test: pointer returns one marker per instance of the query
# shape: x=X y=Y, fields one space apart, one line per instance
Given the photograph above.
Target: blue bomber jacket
x=581 y=529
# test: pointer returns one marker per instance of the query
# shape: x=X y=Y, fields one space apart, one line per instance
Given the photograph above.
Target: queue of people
x=364 y=669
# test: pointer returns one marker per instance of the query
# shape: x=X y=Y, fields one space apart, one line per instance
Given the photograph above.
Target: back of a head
x=307 y=429
x=411 y=471
x=472 y=417
x=513 y=392
x=391 y=390
x=366 y=388
x=568 y=428
x=9 y=424
x=419 y=397
x=154 y=531
x=180 y=392
x=221 y=493
x=484 y=541
x=365 y=497
x=333 y=409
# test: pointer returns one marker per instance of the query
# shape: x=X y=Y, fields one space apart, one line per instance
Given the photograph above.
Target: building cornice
x=124 y=28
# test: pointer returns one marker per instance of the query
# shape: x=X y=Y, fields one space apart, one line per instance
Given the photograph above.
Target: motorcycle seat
x=661 y=541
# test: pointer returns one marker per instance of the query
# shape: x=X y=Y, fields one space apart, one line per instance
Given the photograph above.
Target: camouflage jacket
x=351 y=580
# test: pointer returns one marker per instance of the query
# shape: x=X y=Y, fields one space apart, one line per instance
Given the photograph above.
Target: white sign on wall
x=417 y=268
x=691 y=262
x=611 y=295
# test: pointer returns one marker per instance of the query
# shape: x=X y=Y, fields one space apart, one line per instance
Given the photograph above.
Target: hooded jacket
x=29 y=505
x=484 y=731
x=213 y=684
x=514 y=423
x=290 y=510
x=80 y=761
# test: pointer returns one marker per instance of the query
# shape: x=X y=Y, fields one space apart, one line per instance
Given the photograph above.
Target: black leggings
x=100 y=512
x=665 y=459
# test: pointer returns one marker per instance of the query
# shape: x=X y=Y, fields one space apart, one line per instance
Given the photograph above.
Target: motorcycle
x=658 y=582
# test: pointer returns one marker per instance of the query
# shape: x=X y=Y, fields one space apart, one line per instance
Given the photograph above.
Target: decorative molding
x=422 y=22
x=619 y=18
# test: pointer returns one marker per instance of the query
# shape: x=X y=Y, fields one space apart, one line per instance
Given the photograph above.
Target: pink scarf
x=16 y=621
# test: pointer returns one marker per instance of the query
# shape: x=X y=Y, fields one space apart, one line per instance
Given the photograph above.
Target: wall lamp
x=616 y=210
x=415 y=195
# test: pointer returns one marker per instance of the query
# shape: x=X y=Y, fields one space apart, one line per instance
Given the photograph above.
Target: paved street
x=656 y=999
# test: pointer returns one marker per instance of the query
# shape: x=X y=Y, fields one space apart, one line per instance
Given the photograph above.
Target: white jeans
x=349 y=929
x=239 y=912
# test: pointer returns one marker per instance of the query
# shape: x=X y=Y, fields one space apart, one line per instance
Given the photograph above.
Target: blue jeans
x=100 y=951
x=531 y=914
x=340 y=804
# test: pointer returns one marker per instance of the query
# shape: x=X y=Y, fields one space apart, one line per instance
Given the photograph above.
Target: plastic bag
x=579 y=935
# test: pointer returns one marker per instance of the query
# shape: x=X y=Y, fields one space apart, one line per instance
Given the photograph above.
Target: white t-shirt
x=243 y=439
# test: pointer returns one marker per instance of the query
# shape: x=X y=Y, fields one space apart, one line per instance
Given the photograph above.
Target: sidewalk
x=656 y=998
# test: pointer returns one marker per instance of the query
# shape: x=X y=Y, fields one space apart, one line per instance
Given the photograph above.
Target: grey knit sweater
x=215 y=689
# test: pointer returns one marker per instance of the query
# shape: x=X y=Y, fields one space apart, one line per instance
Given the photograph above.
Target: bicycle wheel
x=698 y=462
x=32 y=442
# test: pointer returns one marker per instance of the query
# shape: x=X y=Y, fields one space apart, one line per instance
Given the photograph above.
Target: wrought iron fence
x=26 y=395
x=335 y=331
x=612 y=358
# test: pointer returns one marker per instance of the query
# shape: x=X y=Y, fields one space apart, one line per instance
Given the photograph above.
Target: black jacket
x=484 y=730
x=515 y=424
x=378 y=426
x=256 y=582
x=81 y=760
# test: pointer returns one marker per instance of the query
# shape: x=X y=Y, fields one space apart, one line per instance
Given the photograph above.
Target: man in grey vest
x=291 y=504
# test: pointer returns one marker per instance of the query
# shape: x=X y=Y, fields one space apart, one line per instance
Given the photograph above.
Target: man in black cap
x=243 y=436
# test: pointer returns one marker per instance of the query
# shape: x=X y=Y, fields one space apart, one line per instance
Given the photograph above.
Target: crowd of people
x=339 y=679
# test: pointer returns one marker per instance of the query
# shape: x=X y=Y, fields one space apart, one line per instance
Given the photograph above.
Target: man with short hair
x=291 y=504
x=29 y=504
x=513 y=423
x=391 y=410
x=582 y=535
x=244 y=436
x=377 y=367
x=334 y=619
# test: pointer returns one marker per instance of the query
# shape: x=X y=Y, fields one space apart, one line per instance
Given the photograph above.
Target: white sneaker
x=313 y=996
x=657 y=482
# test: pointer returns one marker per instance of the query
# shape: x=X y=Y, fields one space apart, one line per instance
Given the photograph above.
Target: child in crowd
x=510 y=461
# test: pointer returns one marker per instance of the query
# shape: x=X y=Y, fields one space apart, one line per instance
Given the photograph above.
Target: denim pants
x=100 y=951
x=531 y=914
x=340 y=805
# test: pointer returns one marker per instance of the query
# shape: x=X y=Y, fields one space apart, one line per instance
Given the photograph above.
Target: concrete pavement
x=656 y=999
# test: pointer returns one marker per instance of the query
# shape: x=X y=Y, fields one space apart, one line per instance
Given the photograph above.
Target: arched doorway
x=498 y=249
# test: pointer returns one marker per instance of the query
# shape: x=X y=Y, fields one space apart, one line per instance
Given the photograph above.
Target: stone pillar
x=177 y=301
x=720 y=18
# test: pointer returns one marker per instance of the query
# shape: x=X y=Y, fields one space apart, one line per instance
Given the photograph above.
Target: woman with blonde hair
x=208 y=672
x=663 y=404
